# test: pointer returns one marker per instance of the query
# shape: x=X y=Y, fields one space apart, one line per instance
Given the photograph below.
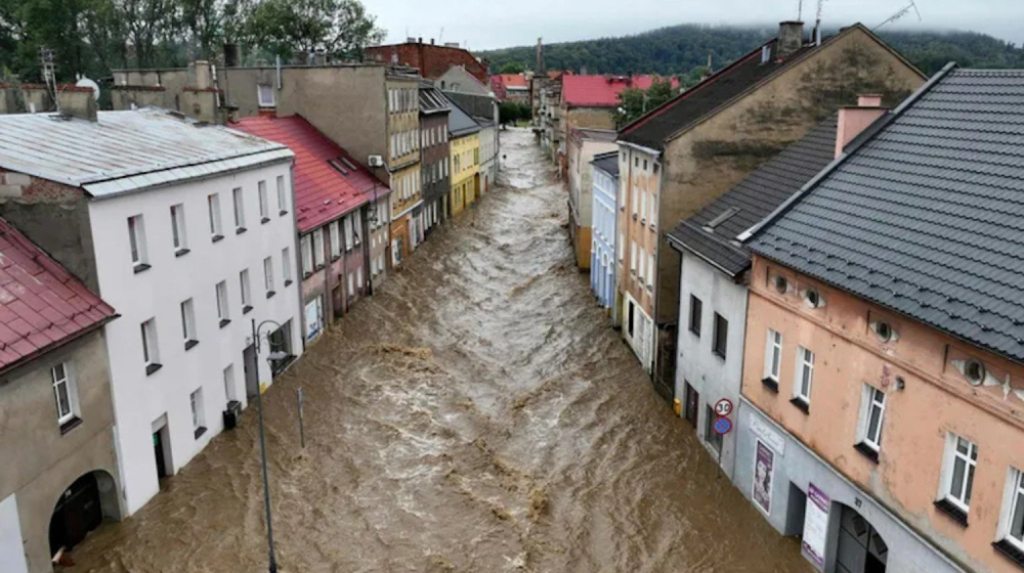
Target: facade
x=464 y=133
x=511 y=87
x=488 y=153
x=458 y=79
x=605 y=210
x=403 y=119
x=899 y=387
x=584 y=145
x=590 y=101
x=60 y=478
x=434 y=164
x=432 y=60
x=337 y=203
x=714 y=274
x=684 y=154
x=189 y=231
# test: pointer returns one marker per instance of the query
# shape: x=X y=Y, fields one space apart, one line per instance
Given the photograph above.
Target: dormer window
x=813 y=298
x=781 y=284
x=884 y=331
x=974 y=371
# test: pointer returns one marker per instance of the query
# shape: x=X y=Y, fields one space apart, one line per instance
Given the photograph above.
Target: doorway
x=692 y=405
x=78 y=511
x=252 y=377
x=161 y=450
x=861 y=549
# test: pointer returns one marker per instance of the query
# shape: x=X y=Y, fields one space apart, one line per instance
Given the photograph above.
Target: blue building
x=602 y=254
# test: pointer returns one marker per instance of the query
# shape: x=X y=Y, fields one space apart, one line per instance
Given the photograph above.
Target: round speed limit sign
x=723 y=407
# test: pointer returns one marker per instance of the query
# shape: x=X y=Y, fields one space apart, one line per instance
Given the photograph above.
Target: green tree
x=512 y=68
x=635 y=102
x=341 y=28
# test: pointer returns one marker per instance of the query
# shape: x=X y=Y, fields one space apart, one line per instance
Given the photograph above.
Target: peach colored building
x=882 y=417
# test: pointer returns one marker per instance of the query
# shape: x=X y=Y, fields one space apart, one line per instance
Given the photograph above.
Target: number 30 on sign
x=723 y=407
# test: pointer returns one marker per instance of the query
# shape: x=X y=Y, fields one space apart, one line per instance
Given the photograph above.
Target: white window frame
x=223 y=310
x=318 y=248
x=70 y=391
x=872 y=400
x=282 y=197
x=306 y=246
x=650 y=271
x=264 y=202
x=952 y=456
x=238 y=205
x=804 y=363
x=265 y=95
x=357 y=236
x=198 y=414
x=150 y=345
x=348 y=233
x=643 y=208
x=286 y=265
x=268 y=275
x=178 y=236
x=188 y=321
x=642 y=260
x=332 y=229
x=245 y=288
x=1013 y=508
x=137 y=240
x=213 y=203
x=632 y=257
x=773 y=355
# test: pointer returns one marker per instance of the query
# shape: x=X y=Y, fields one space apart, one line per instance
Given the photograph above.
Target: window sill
x=224 y=322
x=306 y=275
x=801 y=405
x=718 y=354
x=246 y=309
x=190 y=344
x=1010 y=551
x=140 y=267
x=70 y=425
x=867 y=451
x=264 y=220
x=282 y=213
x=199 y=432
x=151 y=368
x=771 y=384
x=334 y=258
x=695 y=332
x=181 y=252
x=955 y=513
x=240 y=230
x=288 y=283
x=216 y=238
x=318 y=268
x=270 y=294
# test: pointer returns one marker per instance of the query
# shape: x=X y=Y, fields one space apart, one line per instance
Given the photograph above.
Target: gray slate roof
x=755 y=198
x=608 y=162
x=926 y=217
x=125 y=151
x=459 y=122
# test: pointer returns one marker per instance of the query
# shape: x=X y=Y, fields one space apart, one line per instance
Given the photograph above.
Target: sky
x=491 y=24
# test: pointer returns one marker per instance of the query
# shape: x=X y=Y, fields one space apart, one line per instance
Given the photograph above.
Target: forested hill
x=679 y=49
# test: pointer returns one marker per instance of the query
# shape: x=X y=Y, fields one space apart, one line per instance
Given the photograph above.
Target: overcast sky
x=494 y=24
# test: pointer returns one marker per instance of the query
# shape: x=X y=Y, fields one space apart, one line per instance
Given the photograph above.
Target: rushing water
x=478 y=414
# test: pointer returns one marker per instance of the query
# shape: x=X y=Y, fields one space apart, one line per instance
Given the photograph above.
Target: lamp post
x=263 y=442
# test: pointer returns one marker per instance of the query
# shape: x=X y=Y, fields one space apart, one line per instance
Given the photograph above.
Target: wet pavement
x=478 y=414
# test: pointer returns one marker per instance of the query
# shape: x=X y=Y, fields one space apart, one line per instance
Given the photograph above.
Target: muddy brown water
x=478 y=414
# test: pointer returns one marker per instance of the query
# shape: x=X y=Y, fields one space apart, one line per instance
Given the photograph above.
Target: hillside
x=679 y=49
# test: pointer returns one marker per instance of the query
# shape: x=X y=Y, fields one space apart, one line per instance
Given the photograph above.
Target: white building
x=188 y=231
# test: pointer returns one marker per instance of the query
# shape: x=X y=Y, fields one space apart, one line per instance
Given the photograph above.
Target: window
x=264 y=202
x=348 y=233
x=636 y=201
x=721 y=335
x=198 y=417
x=137 y=241
x=872 y=412
x=268 y=276
x=696 y=308
x=178 y=229
x=335 y=240
x=641 y=260
x=652 y=219
x=150 y=354
x=286 y=264
x=236 y=195
x=188 y=324
x=306 y=244
x=222 y=304
x=265 y=95
x=632 y=257
x=713 y=438
x=961 y=460
x=282 y=199
x=318 y=248
x=213 y=200
x=359 y=278
x=1014 y=516
x=804 y=375
x=357 y=226
x=244 y=288
x=650 y=271
x=351 y=285
x=229 y=383
x=773 y=356
x=621 y=246
x=64 y=393
x=643 y=207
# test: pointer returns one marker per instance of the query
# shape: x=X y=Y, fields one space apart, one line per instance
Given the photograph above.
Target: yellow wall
x=465 y=164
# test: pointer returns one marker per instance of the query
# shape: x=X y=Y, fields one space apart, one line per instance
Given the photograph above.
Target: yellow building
x=465 y=159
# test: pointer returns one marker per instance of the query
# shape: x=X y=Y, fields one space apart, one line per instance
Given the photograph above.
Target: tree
x=635 y=102
x=512 y=68
x=341 y=28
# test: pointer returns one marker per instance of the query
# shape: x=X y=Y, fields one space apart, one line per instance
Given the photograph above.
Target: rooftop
x=126 y=151
x=511 y=81
x=607 y=162
x=432 y=100
x=926 y=215
x=603 y=91
x=328 y=182
x=42 y=305
x=459 y=122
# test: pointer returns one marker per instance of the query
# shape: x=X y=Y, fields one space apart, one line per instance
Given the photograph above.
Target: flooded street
x=478 y=414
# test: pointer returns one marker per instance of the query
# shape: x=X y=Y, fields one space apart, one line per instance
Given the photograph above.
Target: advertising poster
x=764 y=467
x=816 y=526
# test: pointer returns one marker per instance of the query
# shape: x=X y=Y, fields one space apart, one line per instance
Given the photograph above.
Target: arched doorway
x=861 y=548
x=81 y=508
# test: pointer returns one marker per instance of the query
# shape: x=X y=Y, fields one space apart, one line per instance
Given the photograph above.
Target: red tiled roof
x=42 y=305
x=602 y=91
x=322 y=192
x=511 y=80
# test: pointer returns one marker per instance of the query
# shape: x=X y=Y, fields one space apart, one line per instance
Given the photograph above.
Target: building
x=552 y=139
x=337 y=203
x=584 y=145
x=434 y=161
x=404 y=163
x=511 y=87
x=464 y=134
x=432 y=60
x=60 y=477
x=592 y=100
x=488 y=153
x=605 y=210
x=683 y=154
x=458 y=79
x=885 y=378
x=714 y=274
x=188 y=230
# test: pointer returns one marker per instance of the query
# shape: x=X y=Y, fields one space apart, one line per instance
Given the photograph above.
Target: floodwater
x=478 y=414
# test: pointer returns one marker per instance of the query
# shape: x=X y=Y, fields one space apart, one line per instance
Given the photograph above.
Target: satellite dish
x=84 y=82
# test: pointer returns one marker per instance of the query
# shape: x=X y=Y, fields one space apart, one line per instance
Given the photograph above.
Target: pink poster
x=764 y=466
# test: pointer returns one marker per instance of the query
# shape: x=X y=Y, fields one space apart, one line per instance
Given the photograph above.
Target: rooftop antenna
x=49 y=71
x=816 y=34
x=440 y=37
x=901 y=13
x=800 y=10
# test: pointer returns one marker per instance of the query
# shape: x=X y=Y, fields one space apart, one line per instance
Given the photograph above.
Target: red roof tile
x=322 y=192
x=602 y=91
x=511 y=80
x=35 y=311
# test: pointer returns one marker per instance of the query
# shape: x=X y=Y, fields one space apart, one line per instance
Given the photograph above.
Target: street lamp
x=263 y=442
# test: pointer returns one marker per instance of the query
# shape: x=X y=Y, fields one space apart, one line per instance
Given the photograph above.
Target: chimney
x=431 y=41
x=583 y=70
x=420 y=39
x=791 y=38
x=77 y=102
x=204 y=78
x=855 y=119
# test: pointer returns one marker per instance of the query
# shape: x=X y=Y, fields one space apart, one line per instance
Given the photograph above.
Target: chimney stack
x=204 y=76
x=77 y=102
x=791 y=37
x=855 y=119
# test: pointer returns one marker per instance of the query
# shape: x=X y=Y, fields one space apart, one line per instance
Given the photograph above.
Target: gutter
x=850 y=151
x=681 y=246
x=25 y=360
x=637 y=147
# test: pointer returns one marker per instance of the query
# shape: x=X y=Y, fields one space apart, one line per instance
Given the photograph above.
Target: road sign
x=723 y=425
x=723 y=407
